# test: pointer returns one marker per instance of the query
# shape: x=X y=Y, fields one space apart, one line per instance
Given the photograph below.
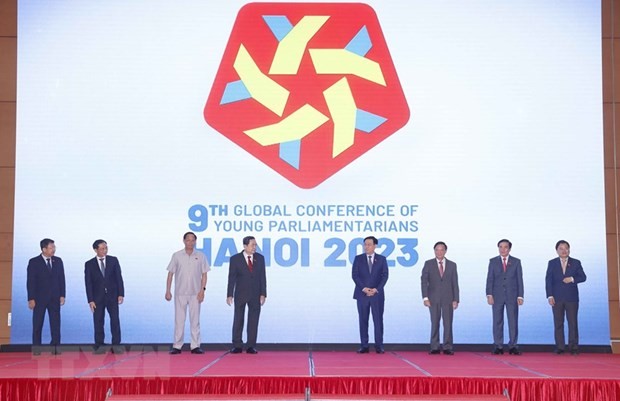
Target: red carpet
x=531 y=376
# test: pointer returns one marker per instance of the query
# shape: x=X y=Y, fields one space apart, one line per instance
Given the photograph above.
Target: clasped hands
x=370 y=291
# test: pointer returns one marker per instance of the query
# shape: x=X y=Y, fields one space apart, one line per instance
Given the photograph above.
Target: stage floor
x=309 y=364
x=527 y=376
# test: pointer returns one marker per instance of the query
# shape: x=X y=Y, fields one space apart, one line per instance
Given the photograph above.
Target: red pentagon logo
x=306 y=87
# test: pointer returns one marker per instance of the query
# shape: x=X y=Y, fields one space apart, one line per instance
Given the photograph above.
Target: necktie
x=250 y=265
x=102 y=260
x=441 y=268
x=370 y=263
x=49 y=264
x=504 y=263
x=563 y=266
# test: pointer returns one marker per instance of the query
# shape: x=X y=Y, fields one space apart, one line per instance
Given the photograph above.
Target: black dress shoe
x=363 y=350
x=514 y=351
x=434 y=352
x=498 y=351
x=251 y=350
x=558 y=351
x=36 y=353
x=99 y=350
x=448 y=352
x=236 y=350
x=574 y=352
x=174 y=351
x=56 y=351
x=197 y=350
x=118 y=350
x=380 y=351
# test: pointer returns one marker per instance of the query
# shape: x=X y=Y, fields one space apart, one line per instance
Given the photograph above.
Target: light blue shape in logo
x=234 y=92
x=289 y=152
x=360 y=44
x=280 y=25
x=367 y=122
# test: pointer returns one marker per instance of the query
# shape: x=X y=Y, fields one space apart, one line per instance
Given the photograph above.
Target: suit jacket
x=556 y=288
x=440 y=289
x=44 y=285
x=98 y=286
x=363 y=278
x=508 y=286
x=244 y=285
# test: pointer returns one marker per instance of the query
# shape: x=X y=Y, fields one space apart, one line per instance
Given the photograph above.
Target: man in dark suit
x=370 y=273
x=46 y=292
x=247 y=285
x=505 y=290
x=104 y=290
x=563 y=275
x=440 y=292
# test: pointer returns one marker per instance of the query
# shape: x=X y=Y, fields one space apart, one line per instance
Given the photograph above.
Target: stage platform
x=81 y=375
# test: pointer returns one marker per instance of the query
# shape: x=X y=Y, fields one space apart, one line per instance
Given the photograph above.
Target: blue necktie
x=370 y=263
x=49 y=264
x=102 y=266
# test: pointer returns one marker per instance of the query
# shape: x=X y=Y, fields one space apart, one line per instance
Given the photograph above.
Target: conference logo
x=307 y=88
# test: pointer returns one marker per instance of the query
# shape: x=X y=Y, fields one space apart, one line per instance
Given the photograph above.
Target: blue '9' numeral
x=200 y=217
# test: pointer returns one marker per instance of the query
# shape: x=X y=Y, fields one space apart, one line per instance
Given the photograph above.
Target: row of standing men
x=440 y=292
x=247 y=289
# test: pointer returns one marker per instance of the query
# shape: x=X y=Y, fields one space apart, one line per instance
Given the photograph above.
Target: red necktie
x=504 y=263
x=250 y=263
x=441 y=268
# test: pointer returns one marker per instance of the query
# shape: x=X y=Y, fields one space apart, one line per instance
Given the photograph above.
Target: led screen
x=310 y=126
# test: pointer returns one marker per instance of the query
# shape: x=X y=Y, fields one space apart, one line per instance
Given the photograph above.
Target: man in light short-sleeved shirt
x=190 y=268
